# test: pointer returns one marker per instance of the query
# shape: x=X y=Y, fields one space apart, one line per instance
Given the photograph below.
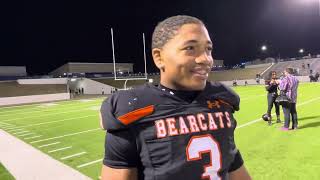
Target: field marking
x=45 y=145
x=15 y=130
x=89 y=163
x=73 y=155
x=60 y=149
x=45 y=105
x=66 y=135
x=20 y=132
x=94 y=108
x=67 y=103
x=47 y=114
x=242 y=99
x=6 y=124
x=76 y=106
x=33 y=137
x=85 y=100
x=49 y=122
x=22 y=135
x=259 y=119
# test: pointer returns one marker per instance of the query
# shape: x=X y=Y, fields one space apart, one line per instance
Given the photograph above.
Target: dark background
x=44 y=35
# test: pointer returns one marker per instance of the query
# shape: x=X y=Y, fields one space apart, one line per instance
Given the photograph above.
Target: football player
x=181 y=129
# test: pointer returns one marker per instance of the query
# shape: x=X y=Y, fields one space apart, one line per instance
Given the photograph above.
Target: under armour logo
x=213 y=104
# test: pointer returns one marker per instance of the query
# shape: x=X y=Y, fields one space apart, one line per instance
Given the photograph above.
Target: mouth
x=200 y=73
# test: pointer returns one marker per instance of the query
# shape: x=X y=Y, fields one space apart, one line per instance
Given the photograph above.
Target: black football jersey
x=166 y=137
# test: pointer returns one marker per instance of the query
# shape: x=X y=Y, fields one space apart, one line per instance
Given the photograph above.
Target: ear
x=157 y=58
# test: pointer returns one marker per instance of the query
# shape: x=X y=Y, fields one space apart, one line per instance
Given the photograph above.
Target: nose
x=205 y=58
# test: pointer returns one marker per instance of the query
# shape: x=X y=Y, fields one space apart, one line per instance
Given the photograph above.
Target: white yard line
x=89 y=163
x=45 y=145
x=60 y=149
x=33 y=137
x=47 y=111
x=7 y=126
x=16 y=130
x=59 y=102
x=242 y=99
x=36 y=109
x=73 y=155
x=66 y=135
x=22 y=135
x=49 y=122
x=259 y=119
x=47 y=114
x=20 y=132
x=11 y=128
x=3 y=123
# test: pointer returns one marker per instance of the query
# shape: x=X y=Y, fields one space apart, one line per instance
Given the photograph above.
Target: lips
x=200 y=73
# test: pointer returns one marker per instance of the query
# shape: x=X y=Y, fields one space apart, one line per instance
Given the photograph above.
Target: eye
x=189 y=48
x=209 y=48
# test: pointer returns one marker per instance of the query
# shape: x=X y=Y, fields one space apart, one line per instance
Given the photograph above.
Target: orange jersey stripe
x=136 y=115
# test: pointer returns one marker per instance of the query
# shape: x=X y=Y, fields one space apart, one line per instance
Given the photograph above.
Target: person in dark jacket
x=271 y=85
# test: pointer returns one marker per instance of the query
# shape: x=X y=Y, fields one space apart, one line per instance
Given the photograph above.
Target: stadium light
x=301 y=51
x=264 y=48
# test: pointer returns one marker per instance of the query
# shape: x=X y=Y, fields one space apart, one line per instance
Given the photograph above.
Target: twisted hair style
x=169 y=27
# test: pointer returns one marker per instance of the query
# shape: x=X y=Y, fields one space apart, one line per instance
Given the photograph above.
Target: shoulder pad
x=124 y=108
x=224 y=93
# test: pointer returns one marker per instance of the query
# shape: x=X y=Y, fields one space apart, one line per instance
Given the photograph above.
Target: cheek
x=181 y=67
x=178 y=63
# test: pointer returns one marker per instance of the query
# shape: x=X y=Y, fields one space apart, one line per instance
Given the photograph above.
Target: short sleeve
x=121 y=150
x=237 y=162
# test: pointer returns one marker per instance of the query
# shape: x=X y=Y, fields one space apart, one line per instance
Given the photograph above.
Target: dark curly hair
x=168 y=28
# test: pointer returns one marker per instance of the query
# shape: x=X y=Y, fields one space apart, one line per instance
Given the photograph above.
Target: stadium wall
x=266 y=65
x=253 y=81
x=6 y=101
x=92 y=87
x=43 y=81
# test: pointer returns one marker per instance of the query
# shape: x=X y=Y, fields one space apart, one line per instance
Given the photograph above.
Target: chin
x=197 y=86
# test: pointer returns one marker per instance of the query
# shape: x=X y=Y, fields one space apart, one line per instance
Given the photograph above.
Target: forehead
x=189 y=32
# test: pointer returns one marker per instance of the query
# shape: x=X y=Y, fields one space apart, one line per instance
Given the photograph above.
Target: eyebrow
x=195 y=41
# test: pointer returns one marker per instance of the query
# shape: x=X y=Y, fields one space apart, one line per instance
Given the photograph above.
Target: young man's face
x=187 y=58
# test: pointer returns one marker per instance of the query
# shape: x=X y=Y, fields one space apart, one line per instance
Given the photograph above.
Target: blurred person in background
x=271 y=85
x=289 y=85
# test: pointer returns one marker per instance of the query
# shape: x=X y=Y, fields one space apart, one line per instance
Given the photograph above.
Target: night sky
x=44 y=35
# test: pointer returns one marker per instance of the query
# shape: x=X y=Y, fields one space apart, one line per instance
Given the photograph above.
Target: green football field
x=4 y=174
x=69 y=132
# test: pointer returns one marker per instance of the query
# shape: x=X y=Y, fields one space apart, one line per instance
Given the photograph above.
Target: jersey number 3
x=199 y=145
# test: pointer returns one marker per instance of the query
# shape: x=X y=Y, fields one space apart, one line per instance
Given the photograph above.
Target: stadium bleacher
x=238 y=74
x=298 y=66
x=13 y=88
